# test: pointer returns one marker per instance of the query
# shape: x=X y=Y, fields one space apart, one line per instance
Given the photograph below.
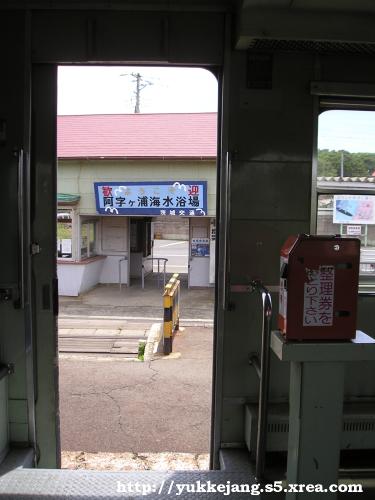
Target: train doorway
x=135 y=217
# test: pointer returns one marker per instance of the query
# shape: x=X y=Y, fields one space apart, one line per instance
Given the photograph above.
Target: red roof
x=167 y=135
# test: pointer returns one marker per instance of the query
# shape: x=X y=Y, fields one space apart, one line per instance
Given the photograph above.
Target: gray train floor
x=35 y=484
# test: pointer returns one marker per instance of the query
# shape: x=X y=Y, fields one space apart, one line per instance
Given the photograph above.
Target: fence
x=171 y=304
x=158 y=259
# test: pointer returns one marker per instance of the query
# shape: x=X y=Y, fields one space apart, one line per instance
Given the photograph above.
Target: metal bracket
x=6 y=370
x=11 y=369
x=35 y=248
x=6 y=294
x=255 y=362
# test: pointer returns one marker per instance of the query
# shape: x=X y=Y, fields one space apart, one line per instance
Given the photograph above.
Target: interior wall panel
x=113 y=36
x=59 y=36
x=273 y=124
x=12 y=337
x=264 y=191
x=271 y=137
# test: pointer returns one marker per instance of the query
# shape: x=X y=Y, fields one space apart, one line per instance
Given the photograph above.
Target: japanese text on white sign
x=319 y=296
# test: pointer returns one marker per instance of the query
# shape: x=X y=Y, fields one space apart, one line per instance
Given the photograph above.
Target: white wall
x=75 y=279
x=110 y=270
x=114 y=243
x=70 y=279
x=78 y=176
x=91 y=274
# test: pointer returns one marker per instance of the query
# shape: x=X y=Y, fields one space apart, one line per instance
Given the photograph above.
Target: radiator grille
x=278 y=427
x=312 y=46
x=368 y=426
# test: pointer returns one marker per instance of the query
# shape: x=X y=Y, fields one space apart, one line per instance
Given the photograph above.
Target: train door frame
x=221 y=248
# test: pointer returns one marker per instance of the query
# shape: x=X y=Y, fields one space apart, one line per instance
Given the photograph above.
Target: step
x=84 y=322
x=98 y=345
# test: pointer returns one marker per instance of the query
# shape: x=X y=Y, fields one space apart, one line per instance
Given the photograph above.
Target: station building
x=125 y=179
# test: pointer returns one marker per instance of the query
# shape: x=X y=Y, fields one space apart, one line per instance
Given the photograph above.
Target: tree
x=353 y=164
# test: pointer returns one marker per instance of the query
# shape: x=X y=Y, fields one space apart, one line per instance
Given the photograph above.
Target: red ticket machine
x=319 y=287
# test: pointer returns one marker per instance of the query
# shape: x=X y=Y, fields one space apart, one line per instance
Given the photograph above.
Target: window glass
x=88 y=239
x=346 y=180
x=92 y=236
x=64 y=234
x=84 y=241
x=334 y=214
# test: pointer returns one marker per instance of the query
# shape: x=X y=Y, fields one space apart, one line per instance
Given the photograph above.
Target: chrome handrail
x=264 y=375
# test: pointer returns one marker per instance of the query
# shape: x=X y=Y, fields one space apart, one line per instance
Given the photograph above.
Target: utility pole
x=140 y=84
x=342 y=164
x=138 y=78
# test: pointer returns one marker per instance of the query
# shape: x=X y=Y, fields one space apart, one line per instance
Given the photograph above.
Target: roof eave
x=160 y=158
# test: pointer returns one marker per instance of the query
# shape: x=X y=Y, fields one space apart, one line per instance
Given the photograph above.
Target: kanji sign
x=185 y=198
x=354 y=230
x=200 y=247
x=318 y=296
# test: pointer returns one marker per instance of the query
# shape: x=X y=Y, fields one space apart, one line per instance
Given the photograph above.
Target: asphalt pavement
x=110 y=404
x=177 y=253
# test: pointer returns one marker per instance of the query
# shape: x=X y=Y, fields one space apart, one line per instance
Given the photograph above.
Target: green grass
x=64 y=231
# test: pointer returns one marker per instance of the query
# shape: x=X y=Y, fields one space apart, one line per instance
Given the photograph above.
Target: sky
x=98 y=89
x=110 y=89
x=352 y=131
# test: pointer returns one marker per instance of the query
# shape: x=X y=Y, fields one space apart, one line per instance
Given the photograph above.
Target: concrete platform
x=137 y=304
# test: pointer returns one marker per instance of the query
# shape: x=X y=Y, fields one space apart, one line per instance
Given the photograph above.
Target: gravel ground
x=134 y=461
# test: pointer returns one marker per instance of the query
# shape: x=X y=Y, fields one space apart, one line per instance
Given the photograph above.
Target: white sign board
x=354 y=230
x=353 y=209
x=66 y=246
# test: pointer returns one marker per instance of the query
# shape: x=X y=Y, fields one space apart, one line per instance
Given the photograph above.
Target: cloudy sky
x=111 y=89
x=352 y=131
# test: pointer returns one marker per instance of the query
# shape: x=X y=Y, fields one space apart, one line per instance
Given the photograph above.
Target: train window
x=346 y=182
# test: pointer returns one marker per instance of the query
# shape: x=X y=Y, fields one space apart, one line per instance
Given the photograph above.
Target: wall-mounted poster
x=179 y=198
x=353 y=209
x=200 y=247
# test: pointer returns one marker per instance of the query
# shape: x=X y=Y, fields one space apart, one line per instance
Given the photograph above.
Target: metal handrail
x=19 y=154
x=263 y=370
x=152 y=259
x=119 y=270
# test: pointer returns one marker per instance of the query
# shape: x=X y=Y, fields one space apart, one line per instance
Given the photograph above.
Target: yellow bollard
x=171 y=302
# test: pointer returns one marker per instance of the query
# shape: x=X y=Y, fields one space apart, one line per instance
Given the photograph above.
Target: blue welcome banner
x=184 y=198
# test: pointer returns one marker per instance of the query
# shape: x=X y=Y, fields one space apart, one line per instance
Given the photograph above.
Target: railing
x=262 y=368
x=119 y=270
x=159 y=259
x=171 y=304
x=367 y=262
x=5 y=370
